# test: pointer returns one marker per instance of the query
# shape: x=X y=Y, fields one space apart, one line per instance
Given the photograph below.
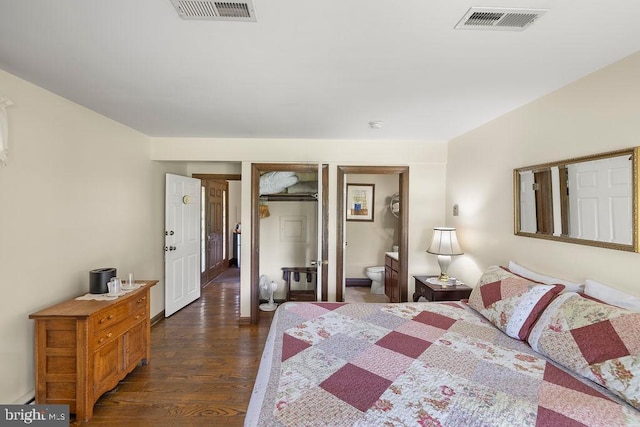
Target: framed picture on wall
x=360 y=202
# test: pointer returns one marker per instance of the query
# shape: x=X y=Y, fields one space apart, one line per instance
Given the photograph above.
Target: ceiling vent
x=498 y=19
x=215 y=10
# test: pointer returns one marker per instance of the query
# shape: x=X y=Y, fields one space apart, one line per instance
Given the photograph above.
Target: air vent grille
x=498 y=19
x=215 y=11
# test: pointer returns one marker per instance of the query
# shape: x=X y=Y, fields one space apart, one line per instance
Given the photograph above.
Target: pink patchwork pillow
x=598 y=341
x=511 y=302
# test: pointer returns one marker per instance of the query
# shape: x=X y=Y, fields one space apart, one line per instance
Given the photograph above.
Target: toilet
x=376 y=274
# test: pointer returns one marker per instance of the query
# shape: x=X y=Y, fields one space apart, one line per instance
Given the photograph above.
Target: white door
x=600 y=197
x=320 y=263
x=182 y=242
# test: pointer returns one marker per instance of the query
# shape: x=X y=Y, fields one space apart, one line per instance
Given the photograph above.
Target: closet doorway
x=322 y=177
x=403 y=190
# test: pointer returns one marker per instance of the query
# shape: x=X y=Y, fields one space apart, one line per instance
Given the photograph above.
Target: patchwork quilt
x=428 y=364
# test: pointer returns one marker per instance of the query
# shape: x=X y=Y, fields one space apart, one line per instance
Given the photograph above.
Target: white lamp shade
x=444 y=242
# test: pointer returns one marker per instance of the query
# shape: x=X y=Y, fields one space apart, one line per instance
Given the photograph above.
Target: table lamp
x=444 y=244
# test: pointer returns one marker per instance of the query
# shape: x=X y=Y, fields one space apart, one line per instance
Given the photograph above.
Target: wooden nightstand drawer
x=432 y=292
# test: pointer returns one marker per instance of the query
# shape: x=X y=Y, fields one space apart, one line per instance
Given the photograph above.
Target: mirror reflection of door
x=215 y=226
x=536 y=202
x=590 y=200
x=544 y=202
x=600 y=199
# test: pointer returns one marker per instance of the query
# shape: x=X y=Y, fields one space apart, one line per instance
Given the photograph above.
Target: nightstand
x=433 y=292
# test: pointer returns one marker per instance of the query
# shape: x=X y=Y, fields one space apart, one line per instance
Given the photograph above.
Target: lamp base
x=444 y=277
x=437 y=281
x=443 y=262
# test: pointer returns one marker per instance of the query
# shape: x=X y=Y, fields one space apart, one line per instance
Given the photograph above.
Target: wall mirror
x=591 y=200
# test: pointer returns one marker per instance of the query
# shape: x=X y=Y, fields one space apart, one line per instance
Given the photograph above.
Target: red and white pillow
x=596 y=340
x=511 y=302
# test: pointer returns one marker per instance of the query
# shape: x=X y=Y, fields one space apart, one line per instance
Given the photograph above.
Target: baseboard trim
x=27 y=399
x=158 y=317
x=244 y=320
x=361 y=282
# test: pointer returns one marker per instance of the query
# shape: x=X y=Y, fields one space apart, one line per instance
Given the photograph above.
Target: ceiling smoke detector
x=498 y=19
x=215 y=10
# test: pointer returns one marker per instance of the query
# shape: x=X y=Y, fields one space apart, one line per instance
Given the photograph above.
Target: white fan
x=267 y=289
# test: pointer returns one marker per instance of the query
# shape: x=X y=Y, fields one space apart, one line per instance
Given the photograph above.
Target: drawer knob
x=101 y=320
x=137 y=317
x=110 y=316
x=100 y=340
x=109 y=335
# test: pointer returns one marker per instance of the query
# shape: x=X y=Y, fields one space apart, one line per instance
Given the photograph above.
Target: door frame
x=403 y=222
x=256 y=169
x=204 y=177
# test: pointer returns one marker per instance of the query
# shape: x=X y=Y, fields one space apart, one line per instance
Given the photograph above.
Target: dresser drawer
x=110 y=316
x=110 y=333
x=138 y=316
x=139 y=302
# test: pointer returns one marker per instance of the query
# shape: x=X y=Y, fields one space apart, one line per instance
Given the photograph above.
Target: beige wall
x=278 y=250
x=595 y=114
x=79 y=193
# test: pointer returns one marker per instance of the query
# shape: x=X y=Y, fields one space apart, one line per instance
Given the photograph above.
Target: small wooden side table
x=311 y=277
x=433 y=292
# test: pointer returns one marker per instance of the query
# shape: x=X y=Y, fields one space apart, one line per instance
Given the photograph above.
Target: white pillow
x=611 y=296
x=276 y=182
x=547 y=280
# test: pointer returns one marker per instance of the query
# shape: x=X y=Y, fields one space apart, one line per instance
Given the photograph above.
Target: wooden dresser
x=84 y=347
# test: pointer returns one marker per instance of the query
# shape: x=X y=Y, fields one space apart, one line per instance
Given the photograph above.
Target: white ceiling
x=308 y=68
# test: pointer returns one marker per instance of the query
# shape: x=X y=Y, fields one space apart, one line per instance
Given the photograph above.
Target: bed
x=517 y=353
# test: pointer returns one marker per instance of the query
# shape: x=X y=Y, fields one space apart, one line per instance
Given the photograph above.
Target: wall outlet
x=455 y=210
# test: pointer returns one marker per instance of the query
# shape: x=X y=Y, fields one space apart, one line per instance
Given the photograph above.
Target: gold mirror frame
x=633 y=247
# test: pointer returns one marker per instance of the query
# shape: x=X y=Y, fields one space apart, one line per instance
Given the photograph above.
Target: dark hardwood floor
x=203 y=365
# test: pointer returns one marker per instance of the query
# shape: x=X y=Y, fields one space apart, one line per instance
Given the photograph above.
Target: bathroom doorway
x=401 y=239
